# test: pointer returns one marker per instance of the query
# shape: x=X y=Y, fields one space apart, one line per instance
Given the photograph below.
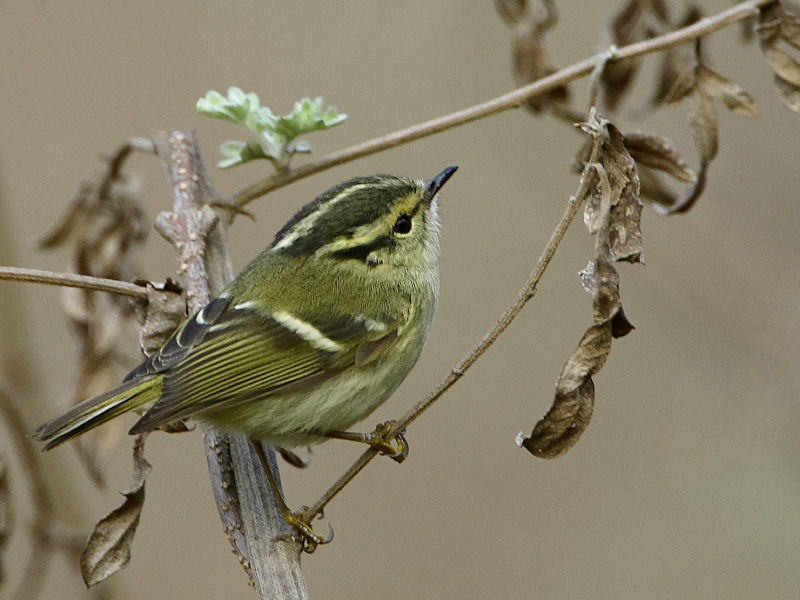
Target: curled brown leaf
x=731 y=94
x=779 y=26
x=653 y=189
x=165 y=309
x=529 y=21
x=625 y=27
x=617 y=172
x=636 y=21
x=613 y=213
x=657 y=152
x=106 y=226
x=651 y=153
x=702 y=86
x=109 y=547
x=676 y=60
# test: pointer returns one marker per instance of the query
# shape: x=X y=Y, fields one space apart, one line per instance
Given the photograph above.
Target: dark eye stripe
x=364 y=250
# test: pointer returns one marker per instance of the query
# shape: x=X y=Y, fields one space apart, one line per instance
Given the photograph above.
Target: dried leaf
x=653 y=189
x=624 y=221
x=626 y=27
x=789 y=94
x=683 y=88
x=166 y=309
x=731 y=94
x=785 y=67
x=106 y=225
x=529 y=21
x=70 y=219
x=610 y=187
x=675 y=61
x=568 y=418
x=780 y=20
x=108 y=548
x=702 y=86
x=704 y=126
x=530 y=60
x=779 y=24
x=657 y=153
x=747 y=28
x=647 y=149
x=790 y=23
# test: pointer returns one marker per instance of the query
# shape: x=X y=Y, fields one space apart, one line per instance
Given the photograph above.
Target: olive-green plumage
x=311 y=337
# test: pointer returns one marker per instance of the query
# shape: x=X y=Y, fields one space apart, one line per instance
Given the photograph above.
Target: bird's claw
x=309 y=538
x=387 y=442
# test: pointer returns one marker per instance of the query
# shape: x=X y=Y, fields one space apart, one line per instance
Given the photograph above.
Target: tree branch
x=249 y=511
x=36 y=567
x=502 y=103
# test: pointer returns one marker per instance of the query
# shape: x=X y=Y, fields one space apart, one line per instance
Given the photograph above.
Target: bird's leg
x=385 y=439
x=299 y=520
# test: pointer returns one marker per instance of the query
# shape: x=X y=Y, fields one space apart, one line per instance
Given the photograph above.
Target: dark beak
x=435 y=184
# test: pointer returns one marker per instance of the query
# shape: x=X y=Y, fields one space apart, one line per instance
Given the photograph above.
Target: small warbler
x=310 y=338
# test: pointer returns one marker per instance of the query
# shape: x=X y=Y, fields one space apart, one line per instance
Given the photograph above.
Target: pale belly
x=335 y=404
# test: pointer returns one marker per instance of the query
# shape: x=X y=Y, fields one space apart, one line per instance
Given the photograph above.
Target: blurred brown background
x=687 y=482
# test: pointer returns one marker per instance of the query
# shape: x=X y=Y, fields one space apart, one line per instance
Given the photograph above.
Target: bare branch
x=513 y=99
x=244 y=497
x=86 y=282
x=41 y=552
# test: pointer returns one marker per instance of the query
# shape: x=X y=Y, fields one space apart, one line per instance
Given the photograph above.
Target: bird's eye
x=403 y=224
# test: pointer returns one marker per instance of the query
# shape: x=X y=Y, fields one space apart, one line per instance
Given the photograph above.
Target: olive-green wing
x=243 y=354
x=191 y=333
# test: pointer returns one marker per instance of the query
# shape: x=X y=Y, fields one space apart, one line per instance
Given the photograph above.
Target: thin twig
x=527 y=292
x=502 y=103
x=72 y=280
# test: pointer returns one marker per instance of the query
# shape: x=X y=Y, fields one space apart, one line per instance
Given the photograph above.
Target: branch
x=527 y=292
x=249 y=511
x=72 y=280
x=47 y=534
x=38 y=562
x=502 y=103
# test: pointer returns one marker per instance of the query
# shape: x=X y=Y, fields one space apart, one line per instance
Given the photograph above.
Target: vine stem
x=502 y=103
x=527 y=292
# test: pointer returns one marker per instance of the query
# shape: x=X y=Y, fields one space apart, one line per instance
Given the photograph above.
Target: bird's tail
x=87 y=415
